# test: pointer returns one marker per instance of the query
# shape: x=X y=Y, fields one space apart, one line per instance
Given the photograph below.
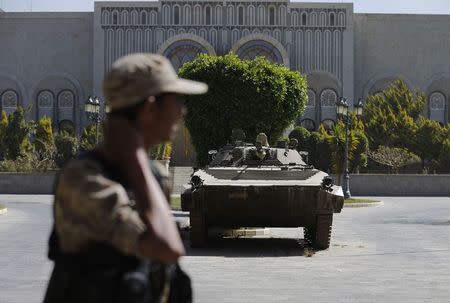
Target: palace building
x=55 y=61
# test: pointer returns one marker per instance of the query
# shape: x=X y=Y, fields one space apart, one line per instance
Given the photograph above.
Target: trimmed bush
x=255 y=96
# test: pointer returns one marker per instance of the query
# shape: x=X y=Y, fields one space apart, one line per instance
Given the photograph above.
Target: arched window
x=143 y=17
x=308 y=124
x=230 y=15
x=218 y=14
x=341 y=18
x=328 y=98
x=10 y=99
x=241 y=15
x=272 y=15
x=197 y=14
x=166 y=14
x=436 y=105
x=153 y=17
x=124 y=16
x=105 y=17
x=322 y=19
x=251 y=15
x=261 y=17
x=311 y=98
x=115 y=18
x=45 y=99
x=66 y=99
x=176 y=15
x=208 y=15
x=187 y=14
x=304 y=19
x=437 y=101
x=134 y=17
x=313 y=19
x=332 y=19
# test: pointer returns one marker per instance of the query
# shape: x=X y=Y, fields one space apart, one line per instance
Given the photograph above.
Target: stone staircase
x=179 y=175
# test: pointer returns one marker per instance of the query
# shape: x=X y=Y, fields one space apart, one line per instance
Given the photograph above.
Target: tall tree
x=390 y=118
x=428 y=140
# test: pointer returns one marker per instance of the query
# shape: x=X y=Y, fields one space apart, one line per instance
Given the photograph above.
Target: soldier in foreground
x=111 y=215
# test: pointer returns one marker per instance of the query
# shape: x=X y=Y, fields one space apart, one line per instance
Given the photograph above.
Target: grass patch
x=2 y=206
x=175 y=203
x=353 y=200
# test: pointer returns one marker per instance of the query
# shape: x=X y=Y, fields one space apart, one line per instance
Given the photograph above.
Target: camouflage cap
x=137 y=76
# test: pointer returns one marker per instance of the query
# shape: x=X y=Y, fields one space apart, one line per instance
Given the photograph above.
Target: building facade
x=54 y=61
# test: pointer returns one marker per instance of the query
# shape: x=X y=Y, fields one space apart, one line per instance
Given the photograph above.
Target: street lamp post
x=92 y=108
x=344 y=114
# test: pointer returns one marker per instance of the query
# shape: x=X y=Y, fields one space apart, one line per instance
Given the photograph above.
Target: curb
x=357 y=205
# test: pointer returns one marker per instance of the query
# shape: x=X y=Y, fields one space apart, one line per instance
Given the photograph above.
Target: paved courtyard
x=398 y=252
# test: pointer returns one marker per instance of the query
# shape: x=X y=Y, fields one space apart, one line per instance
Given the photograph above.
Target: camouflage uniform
x=90 y=207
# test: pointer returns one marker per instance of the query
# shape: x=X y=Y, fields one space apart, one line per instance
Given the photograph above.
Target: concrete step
x=179 y=175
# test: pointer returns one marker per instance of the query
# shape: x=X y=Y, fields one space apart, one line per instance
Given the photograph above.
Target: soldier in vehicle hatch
x=261 y=145
x=110 y=215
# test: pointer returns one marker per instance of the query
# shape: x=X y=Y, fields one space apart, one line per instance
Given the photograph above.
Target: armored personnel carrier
x=248 y=185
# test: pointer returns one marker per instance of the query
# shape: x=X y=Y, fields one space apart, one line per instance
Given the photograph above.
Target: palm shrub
x=89 y=137
x=157 y=151
x=337 y=141
x=359 y=156
x=162 y=151
x=255 y=96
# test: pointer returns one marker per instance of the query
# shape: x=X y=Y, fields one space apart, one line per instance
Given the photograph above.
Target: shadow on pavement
x=251 y=247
